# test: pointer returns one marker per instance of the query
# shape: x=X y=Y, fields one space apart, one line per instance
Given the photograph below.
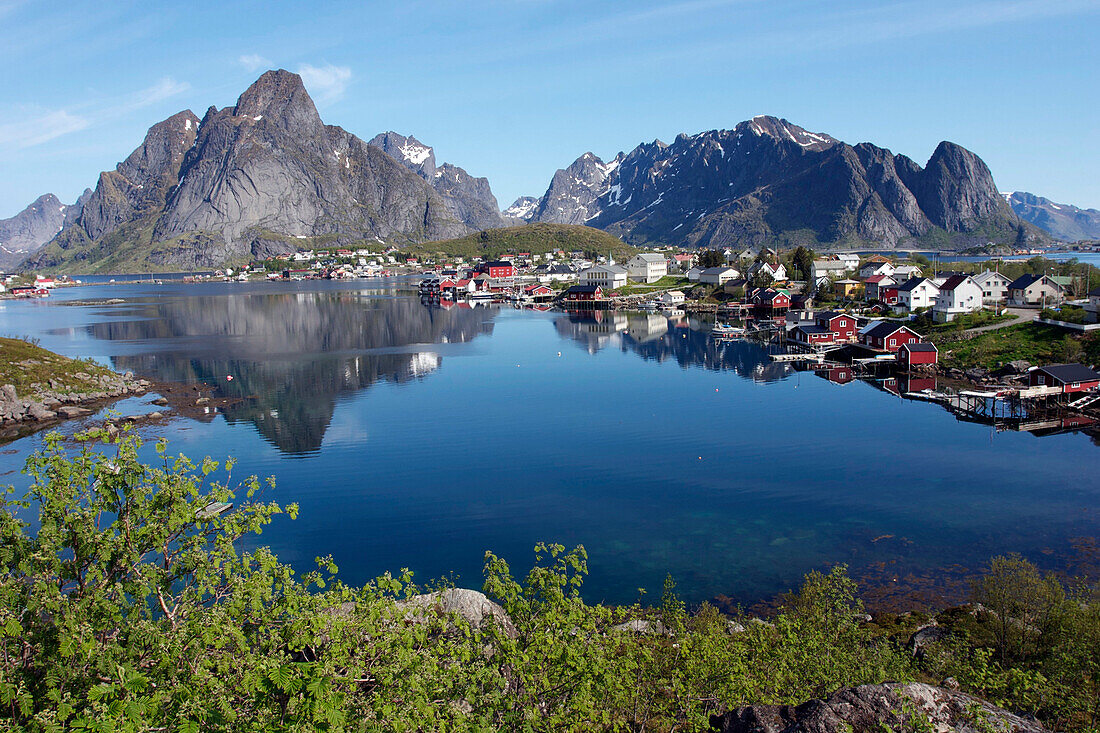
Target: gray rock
x=925 y=637
x=38 y=411
x=643 y=626
x=160 y=401
x=474 y=607
x=71 y=411
x=8 y=394
x=887 y=706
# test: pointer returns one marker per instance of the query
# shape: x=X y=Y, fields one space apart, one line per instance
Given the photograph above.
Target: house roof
x=987 y=275
x=882 y=329
x=812 y=329
x=830 y=265
x=717 y=270
x=1070 y=372
x=877 y=258
x=613 y=269
x=920 y=346
x=830 y=315
x=583 y=289
x=650 y=257
x=1024 y=281
x=500 y=263
x=876 y=279
x=912 y=283
x=953 y=282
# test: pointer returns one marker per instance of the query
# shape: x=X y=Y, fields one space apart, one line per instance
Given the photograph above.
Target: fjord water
x=418 y=437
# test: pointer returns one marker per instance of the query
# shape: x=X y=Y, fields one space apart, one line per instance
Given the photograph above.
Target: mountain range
x=1063 y=221
x=267 y=176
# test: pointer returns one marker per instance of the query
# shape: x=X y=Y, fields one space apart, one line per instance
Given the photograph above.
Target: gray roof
x=1070 y=372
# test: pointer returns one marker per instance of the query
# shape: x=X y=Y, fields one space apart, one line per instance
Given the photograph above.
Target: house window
x=1041 y=379
x=1075 y=385
x=893 y=342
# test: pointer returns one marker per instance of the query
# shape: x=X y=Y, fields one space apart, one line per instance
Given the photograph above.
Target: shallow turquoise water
x=418 y=437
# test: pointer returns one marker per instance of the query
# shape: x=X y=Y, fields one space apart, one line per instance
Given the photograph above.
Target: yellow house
x=845 y=288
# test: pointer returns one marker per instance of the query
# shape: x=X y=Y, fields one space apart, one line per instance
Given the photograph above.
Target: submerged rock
x=889 y=706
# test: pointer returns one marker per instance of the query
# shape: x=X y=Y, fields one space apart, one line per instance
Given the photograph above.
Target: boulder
x=71 y=411
x=471 y=605
x=7 y=394
x=889 y=706
x=642 y=626
x=38 y=411
x=924 y=637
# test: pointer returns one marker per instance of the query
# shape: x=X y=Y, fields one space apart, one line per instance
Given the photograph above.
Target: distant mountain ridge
x=28 y=231
x=1063 y=221
x=768 y=181
x=267 y=176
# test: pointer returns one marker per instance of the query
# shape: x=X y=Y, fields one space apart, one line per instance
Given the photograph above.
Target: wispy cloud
x=253 y=62
x=36 y=126
x=28 y=125
x=326 y=83
x=165 y=88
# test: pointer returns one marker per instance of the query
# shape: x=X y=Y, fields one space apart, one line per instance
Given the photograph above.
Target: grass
x=533 y=238
x=29 y=368
x=665 y=283
x=924 y=324
x=1033 y=342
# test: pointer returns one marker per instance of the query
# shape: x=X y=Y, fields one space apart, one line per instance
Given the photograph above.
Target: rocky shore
x=51 y=404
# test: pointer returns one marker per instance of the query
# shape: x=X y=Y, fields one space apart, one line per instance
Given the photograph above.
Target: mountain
x=522 y=208
x=469 y=199
x=768 y=181
x=248 y=181
x=25 y=233
x=1063 y=221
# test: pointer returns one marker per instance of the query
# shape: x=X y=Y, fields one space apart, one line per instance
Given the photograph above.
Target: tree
x=761 y=279
x=1021 y=601
x=803 y=259
x=711 y=258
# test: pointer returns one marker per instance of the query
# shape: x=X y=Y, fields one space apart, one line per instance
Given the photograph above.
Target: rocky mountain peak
x=1066 y=222
x=413 y=154
x=281 y=97
x=165 y=142
x=24 y=234
x=522 y=208
x=781 y=129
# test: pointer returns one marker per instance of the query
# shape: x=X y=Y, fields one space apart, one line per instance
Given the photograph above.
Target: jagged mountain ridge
x=469 y=199
x=1066 y=222
x=770 y=181
x=250 y=181
x=28 y=231
x=522 y=209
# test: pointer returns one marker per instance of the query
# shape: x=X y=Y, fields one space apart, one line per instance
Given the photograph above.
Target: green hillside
x=533 y=238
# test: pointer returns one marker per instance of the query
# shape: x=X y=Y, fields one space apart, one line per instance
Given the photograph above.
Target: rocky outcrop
x=870 y=708
x=474 y=607
x=57 y=400
x=1065 y=222
x=25 y=233
x=470 y=200
x=768 y=181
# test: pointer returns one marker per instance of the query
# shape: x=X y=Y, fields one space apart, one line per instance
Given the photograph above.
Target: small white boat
x=724 y=329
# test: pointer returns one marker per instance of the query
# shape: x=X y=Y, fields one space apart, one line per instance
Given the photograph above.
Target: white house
x=851 y=261
x=694 y=273
x=958 y=295
x=904 y=272
x=777 y=272
x=917 y=292
x=1035 y=290
x=871 y=269
x=607 y=277
x=1092 y=308
x=827 y=268
x=670 y=298
x=994 y=286
x=717 y=275
x=647 y=267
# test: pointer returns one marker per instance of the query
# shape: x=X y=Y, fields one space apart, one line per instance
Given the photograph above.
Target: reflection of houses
x=837 y=375
x=648 y=327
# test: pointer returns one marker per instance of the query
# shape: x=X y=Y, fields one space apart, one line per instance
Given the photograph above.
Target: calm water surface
x=419 y=437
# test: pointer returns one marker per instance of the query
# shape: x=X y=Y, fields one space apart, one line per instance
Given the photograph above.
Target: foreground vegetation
x=127 y=605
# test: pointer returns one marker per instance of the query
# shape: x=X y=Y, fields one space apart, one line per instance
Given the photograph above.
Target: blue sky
x=514 y=90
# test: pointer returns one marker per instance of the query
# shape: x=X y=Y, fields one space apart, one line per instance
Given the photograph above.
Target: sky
x=513 y=90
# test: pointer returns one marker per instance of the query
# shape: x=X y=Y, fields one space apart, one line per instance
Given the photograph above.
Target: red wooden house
x=917 y=354
x=841 y=325
x=770 y=301
x=498 y=269
x=887 y=336
x=584 y=293
x=1070 y=377
x=538 y=291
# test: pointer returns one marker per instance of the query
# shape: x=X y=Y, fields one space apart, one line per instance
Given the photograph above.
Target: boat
x=725 y=329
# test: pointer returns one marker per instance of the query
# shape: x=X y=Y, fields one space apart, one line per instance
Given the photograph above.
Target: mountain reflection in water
x=290 y=355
